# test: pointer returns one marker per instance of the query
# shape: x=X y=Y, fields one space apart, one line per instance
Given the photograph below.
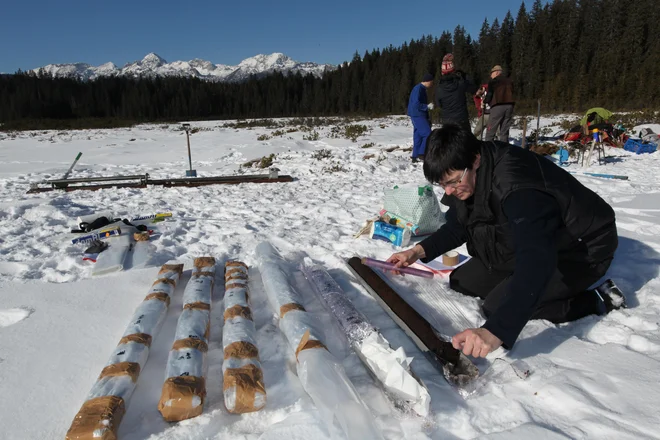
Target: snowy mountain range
x=154 y=65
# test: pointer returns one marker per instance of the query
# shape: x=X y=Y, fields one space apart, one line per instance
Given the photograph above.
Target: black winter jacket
x=582 y=225
x=588 y=233
x=450 y=97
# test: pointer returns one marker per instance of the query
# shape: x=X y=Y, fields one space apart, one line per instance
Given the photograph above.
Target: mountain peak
x=153 y=59
x=154 y=65
x=263 y=62
x=108 y=66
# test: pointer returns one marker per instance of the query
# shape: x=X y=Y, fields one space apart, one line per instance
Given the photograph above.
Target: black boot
x=611 y=295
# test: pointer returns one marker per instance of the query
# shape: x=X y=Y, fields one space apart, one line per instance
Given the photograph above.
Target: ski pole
x=391 y=266
x=72 y=165
x=601 y=175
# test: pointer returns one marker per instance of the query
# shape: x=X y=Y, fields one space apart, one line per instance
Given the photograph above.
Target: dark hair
x=450 y=148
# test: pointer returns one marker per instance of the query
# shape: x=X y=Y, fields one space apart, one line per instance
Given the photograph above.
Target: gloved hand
x=430 y=106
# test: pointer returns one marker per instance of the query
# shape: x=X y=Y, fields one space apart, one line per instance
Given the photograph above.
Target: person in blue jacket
x=418 y=110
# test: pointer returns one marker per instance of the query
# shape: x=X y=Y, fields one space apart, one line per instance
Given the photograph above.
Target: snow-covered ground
x=595 y=378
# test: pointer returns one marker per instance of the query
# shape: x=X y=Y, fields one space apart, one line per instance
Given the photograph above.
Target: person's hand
x=407 y=257
x=430 y=106
x=476 y=342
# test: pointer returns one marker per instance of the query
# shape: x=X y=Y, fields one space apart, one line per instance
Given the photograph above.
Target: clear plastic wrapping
x=390 y=367
x=233 y=362
x=280 y=291
x=238 y=329
x=186 y=362
x=433 y=300
x=193 y=324
x=353 y=322
x=119 y=386
x=184 y=389
x=322 y=377
x=237 y=281
x=198 y=290
x=237 y=269
x=243 y=385
x=295 y=324
x=170 y=272
x=231 y=398
x=148 y=317
x=119 y=377
x=236 y=297
x=130 y=352
x=326 y=382
x=437 y=297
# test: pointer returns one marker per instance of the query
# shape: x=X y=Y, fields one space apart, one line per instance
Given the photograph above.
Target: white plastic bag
x=416 y=204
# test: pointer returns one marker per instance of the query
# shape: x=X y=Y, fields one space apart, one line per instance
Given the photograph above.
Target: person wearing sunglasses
x=538 y=237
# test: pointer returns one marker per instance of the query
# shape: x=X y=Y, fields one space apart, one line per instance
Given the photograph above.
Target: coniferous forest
x=571 y=54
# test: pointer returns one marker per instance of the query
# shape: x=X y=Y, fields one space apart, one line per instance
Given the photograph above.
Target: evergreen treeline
x=571 y=54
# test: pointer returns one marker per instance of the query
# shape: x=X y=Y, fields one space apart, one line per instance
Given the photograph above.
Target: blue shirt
x=417 y=104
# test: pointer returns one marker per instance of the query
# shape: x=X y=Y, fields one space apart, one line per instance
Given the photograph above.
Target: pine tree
x=505 y=41
x=520 y=55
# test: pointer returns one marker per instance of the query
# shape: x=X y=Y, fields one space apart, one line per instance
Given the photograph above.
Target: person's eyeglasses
x=453 y=183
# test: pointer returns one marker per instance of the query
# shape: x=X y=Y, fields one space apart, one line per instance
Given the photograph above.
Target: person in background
x=483 y=111
x=450 y=93
x=500 y=99
x=418 y=110
x=538 y=238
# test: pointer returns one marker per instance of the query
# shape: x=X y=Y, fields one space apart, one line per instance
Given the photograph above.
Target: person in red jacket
x=483 y=111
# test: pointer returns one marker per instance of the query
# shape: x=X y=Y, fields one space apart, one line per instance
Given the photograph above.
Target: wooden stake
x=538 y=122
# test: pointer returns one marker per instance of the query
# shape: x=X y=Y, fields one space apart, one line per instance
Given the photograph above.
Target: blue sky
x=39 y=32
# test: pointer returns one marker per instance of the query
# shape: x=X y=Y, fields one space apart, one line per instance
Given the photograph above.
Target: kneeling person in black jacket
x=538 y=237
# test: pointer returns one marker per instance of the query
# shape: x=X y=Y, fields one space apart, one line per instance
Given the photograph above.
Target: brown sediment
x=241 y=350
x=235 y=264
x=161 y=296
x=169 y=281
x=140 y=338
x=286 y=308
x=200 y=262
x=235 y=273
x=238 y=310
x=176 y=399
x=171 y=268
x=248 y=381
x=131 y=369
x=197 y=306
x=188 y=343
x=98 y=419
x=307 y=343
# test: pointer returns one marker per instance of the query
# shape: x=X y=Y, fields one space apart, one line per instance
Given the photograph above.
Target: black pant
x=565 y=299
